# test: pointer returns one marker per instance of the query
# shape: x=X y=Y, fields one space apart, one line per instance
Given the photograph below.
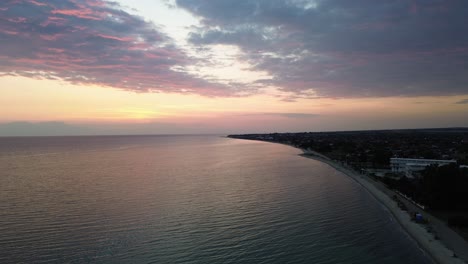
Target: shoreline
x=435 y=249
x=441 y=244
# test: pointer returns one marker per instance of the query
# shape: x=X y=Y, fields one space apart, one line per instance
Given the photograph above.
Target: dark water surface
x=185 y=199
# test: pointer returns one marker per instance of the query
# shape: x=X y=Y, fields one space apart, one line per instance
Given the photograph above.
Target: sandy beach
x=437 y=249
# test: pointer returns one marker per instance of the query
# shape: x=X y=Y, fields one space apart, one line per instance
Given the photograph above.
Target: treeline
x=438 y=187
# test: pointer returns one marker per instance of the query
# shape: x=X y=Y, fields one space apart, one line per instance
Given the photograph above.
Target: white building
x=408 y=166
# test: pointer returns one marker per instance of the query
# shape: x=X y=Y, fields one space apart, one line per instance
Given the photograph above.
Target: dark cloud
x=94 y=42
x=464 y=101
x=321 y=48
x=342 y=48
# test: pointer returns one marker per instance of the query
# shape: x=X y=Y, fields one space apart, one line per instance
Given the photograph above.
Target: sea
x=186 y=199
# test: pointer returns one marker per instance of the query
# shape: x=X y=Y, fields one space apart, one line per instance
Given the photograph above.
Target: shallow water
x=185 y=199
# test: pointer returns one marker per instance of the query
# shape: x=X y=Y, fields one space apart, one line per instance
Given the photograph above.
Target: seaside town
x=425 y=171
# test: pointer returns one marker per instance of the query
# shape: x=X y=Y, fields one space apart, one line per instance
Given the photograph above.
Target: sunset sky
x=72 y=67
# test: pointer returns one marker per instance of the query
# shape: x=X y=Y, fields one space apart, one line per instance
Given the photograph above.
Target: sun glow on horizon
x=26 y=99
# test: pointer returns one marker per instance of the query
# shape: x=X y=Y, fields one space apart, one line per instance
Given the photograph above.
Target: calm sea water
x=185 y=199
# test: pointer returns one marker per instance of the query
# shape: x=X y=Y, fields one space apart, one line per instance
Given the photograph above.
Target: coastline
x=434 y=248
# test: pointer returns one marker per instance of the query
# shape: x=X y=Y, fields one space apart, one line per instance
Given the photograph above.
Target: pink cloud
x=76 y=41
x=54 y=21
x=9 y=32
x=37 y=3
x=86 y=13
x=17 y=20
x=125 y=39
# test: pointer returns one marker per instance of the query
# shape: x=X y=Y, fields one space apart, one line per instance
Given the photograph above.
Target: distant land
x=373 y=148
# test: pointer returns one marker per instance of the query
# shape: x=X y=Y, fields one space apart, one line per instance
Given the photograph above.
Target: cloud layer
x=93 y=42
x=342 y=48
x=316 y=48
